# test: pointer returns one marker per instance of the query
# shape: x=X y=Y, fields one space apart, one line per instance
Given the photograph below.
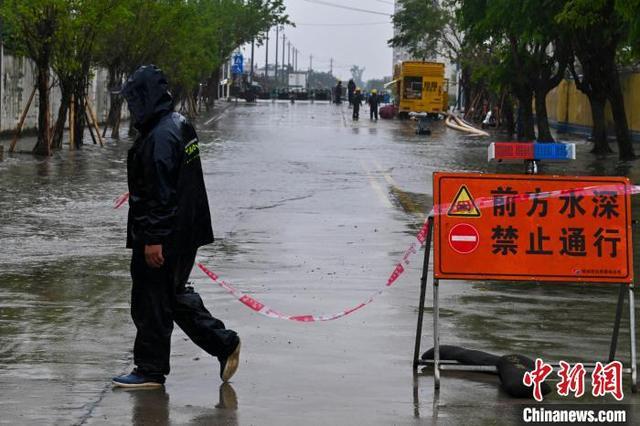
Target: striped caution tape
x=267 y=311
x=487 y=202
x=119 y=202
x=259 y=307
x=399 y=269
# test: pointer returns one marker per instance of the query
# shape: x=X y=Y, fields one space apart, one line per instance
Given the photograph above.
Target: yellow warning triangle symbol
x=463 y=204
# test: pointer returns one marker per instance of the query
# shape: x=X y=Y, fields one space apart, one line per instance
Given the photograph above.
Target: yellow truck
x=420 y=87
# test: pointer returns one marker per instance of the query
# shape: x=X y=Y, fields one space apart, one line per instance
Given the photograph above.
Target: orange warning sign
x=537 y=228
x=463 y=204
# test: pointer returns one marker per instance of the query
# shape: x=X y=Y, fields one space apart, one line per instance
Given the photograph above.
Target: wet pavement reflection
x=311 y=212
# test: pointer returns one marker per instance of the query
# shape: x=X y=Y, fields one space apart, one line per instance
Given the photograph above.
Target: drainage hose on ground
x=456 y=123
x=510 y=368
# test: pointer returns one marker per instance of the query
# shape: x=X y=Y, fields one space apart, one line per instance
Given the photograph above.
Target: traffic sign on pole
x=237 y=66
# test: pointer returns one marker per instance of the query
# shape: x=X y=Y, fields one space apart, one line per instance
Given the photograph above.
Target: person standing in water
x=337 y=93
x=169 y=220
x=351 y=88
x=357 y=102
x=374 y=101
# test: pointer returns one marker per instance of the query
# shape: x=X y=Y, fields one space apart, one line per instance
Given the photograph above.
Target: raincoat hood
x=147 y=95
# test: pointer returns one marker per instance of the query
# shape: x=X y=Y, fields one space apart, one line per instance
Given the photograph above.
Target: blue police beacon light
x=531 y=151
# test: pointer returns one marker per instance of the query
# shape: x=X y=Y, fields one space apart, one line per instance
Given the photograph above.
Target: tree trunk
x=542 y=118
x=80 y=122
x=58 y=131
x=115 y=104
x=115 y=131
x=507 y=113
x=42 y=145
x=212 y=88
x=61 y=119
x=525 y=111
x=625 y=148
x=465 y=81
x=599 y=132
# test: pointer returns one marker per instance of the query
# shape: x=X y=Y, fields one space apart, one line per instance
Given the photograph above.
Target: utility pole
x=277 y=40
x=283 y=45
x=331 y=67
x=310 y=63
x=288 y=56
x=253 y=47
x=266 y=59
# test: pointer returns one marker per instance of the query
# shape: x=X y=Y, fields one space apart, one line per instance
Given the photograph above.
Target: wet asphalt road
x=311 y=213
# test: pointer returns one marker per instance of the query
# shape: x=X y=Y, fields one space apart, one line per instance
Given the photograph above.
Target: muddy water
x=311 y=212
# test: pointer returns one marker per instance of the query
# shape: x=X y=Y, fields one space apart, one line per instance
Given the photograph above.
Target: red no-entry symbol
x=464 y=238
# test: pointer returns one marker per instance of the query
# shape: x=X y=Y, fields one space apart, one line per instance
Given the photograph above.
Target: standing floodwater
x=311 y=212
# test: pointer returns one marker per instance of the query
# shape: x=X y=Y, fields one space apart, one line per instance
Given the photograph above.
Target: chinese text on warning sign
x=544 y=228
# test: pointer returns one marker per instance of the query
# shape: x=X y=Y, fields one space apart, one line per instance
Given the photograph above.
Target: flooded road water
x=311 y=213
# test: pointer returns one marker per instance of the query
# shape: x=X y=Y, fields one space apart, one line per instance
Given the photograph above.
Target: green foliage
x=188 y=39
x=523 y=36
x=75 y=43
x=30 y=26
x=420 y=27
x=630 y=10
x=191 y=39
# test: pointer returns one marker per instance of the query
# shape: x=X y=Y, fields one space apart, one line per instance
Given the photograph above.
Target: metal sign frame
x=442 y=365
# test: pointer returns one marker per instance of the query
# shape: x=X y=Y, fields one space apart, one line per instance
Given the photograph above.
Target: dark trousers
x=159 y=298
x=373 y=112
x=356 y=111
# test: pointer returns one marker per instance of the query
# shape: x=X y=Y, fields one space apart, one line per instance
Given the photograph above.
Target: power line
x=356 y=24
x=340 y=6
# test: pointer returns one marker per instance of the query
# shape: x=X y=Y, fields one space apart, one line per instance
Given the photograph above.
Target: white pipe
x=461 y=126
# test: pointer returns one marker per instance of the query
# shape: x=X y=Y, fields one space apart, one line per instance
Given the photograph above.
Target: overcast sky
x=349 y=36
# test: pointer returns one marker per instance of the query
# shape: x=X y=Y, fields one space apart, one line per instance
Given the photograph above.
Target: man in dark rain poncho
x=169 y=219
x=351 y=89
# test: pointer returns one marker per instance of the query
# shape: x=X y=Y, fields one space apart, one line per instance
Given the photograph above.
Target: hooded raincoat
x=168 y=201
x=168 y=206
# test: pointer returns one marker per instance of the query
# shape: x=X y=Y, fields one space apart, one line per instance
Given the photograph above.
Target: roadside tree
x=597 y=31
x=31 y=28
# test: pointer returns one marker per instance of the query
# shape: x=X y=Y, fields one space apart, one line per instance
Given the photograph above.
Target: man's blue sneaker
x=138 y=381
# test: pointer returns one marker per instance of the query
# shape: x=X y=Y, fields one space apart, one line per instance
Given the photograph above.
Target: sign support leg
x=423 y=290
x=632 y=332
x=616 y=324
x=436 y=336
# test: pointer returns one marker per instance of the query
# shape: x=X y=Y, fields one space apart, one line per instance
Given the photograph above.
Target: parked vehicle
x=420 y=87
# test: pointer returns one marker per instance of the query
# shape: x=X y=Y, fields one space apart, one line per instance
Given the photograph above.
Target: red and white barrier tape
x=487 y=202
x=119 y=202
x=399 y=269
x=267 y=311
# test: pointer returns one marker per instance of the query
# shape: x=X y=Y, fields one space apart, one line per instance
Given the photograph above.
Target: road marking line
x=384 y=198
x=217 y=117
x=386 y=175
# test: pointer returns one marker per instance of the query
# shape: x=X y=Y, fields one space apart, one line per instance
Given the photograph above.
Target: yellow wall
x=567 y=105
